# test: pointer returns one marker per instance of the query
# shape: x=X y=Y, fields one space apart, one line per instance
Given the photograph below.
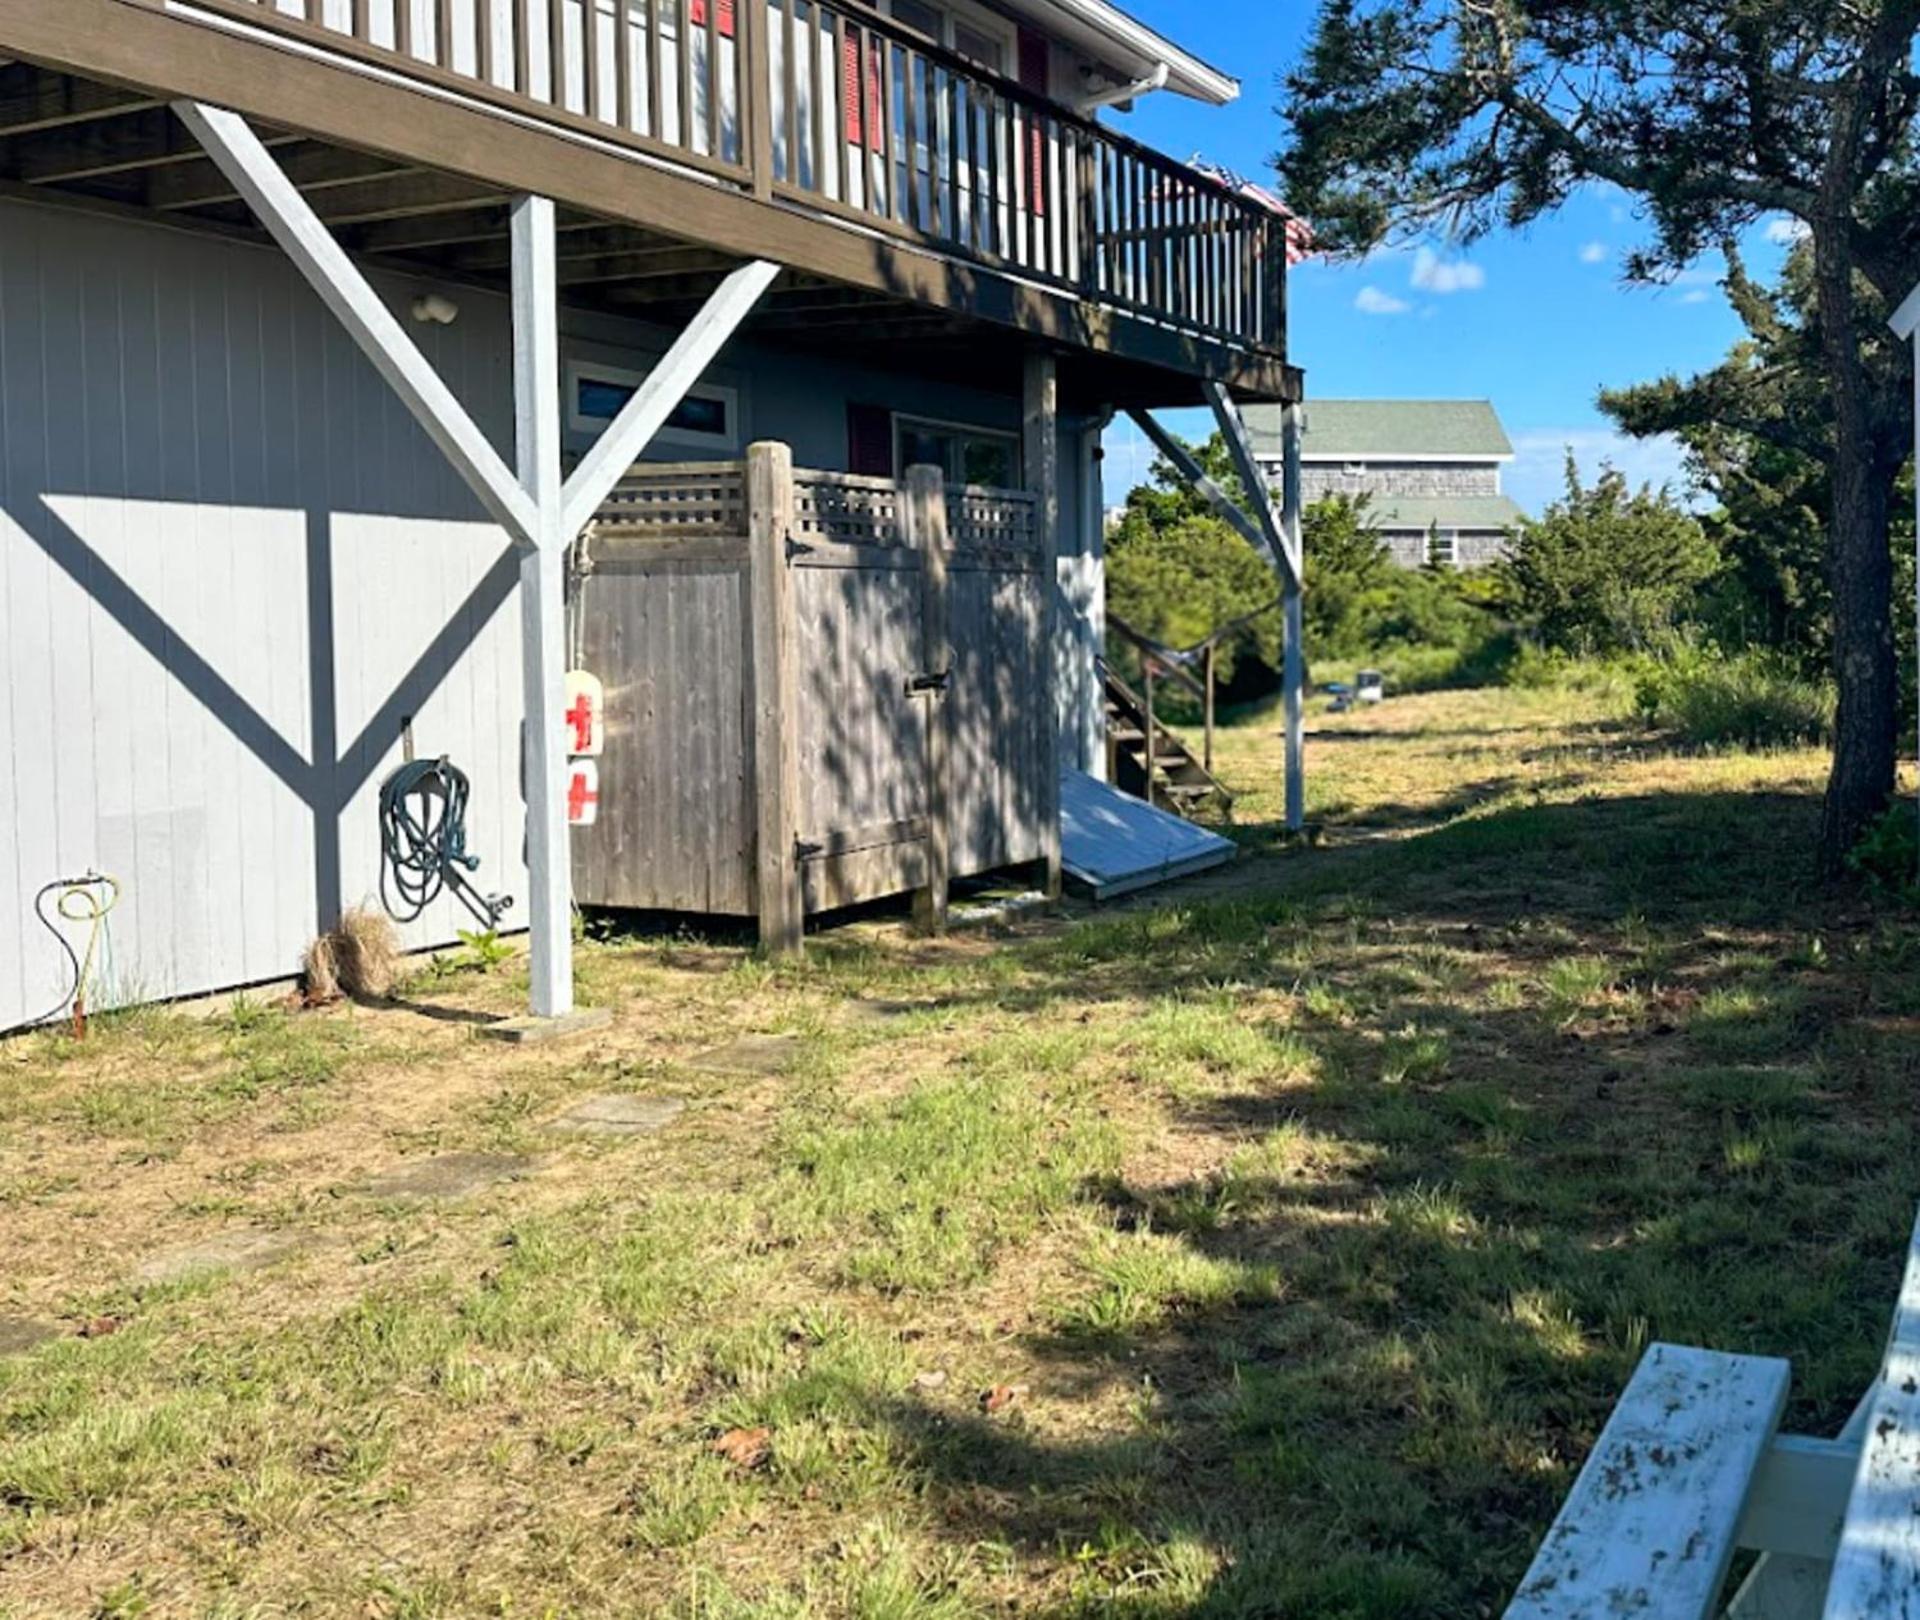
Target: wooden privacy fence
x=820 y=689
x=836 y=107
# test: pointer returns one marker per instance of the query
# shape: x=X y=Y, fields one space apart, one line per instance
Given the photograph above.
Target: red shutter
x=1033 y=76
x=870 y=440
x=850 y=91
x=697 y=9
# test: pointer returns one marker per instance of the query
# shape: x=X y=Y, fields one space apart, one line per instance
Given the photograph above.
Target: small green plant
x=1888 y=858
x=484 y=949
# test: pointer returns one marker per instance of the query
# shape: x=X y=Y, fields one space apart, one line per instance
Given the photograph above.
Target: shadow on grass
x=1560 y=1080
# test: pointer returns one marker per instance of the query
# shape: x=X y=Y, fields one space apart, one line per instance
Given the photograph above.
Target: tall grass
x=1752 y=699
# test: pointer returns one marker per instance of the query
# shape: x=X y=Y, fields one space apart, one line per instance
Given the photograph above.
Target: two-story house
x=328 y=327
x=1429 y=470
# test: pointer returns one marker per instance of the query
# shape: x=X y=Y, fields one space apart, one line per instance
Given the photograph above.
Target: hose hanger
x=423 y=843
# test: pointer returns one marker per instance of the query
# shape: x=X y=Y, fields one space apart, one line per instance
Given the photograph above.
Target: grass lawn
x=1272 y=1247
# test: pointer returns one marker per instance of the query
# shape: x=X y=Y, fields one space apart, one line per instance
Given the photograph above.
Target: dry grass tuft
x=360 y=958
x=368 y=953
x=320 y=971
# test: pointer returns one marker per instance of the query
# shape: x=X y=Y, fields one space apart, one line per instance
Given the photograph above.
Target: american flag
x=1299 y=232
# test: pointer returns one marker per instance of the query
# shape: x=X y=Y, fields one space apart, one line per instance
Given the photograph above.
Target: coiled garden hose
x=423 y=842
x=87 y=900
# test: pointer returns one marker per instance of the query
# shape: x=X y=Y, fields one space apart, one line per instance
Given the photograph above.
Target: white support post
x=536 y=400
x=1293 y=655
x=240 y=156
x=1233 y=429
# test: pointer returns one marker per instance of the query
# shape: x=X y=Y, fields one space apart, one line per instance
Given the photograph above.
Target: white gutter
x=1186 y=74
x=1114 y=94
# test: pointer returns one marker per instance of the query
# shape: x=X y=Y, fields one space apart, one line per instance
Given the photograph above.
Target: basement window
x=964 y=454
x=708 y=417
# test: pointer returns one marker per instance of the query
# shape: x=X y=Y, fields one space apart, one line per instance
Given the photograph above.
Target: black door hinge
x=802 y=849
x=930 y=682
x=797 y=548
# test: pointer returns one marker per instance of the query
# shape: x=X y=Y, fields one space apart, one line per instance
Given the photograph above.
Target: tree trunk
x=1860 y=574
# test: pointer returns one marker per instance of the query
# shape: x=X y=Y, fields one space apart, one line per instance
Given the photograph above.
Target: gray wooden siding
x=229 y=566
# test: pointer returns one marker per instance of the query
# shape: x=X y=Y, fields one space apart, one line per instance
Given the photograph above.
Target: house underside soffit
x=70 y=139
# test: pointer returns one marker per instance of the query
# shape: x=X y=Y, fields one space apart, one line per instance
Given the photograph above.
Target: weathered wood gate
x=820 y=689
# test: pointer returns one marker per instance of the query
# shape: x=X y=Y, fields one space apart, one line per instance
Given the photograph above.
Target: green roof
x=1424 y=512
x=1362 y=429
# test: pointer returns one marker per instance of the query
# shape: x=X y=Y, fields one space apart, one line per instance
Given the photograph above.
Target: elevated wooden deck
x=911 y=196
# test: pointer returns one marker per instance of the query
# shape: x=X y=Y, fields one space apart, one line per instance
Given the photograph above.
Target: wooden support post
x=1152 y=752
x=536 y=395
x=1041 y=443
x=924 y=510
x=776 y=762
x=1293 y=656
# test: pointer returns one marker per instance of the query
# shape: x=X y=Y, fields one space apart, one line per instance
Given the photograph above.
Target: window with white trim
x=1443 y=548
x=965 y=454
x=708 y=417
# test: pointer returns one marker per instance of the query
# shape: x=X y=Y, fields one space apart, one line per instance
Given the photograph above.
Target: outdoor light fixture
x=435 y=308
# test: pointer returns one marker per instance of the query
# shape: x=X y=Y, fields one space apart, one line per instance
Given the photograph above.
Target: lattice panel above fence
x=846 y=507
x=994 y=521
x=690 y=499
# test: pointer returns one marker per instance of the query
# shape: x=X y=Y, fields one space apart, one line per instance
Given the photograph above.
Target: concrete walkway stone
x=750 y=1054
x=19 y=1334
x=620 y=1114
x=451 y=1175
x=247 y=1248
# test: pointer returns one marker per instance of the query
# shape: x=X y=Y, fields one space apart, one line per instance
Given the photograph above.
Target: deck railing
x=834 y=107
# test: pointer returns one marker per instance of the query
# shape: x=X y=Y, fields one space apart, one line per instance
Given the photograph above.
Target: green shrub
x=1889 y=856
x=1753 y=699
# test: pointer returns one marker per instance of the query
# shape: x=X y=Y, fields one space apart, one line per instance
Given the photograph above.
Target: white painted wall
x=230 y=565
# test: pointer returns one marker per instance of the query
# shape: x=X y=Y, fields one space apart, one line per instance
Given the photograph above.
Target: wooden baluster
x=557 y=53
x=485 y=63
x=317 y=13
x=649 y=30
x=590 y=57
x=996 y=235
x=522 y=26
x=683 y=61
x=623 y=63
x=930 y=117
x=910 y=103
x=790 y=82
x=852 y=119
x=753 y=87
x=442 y=53
x=884 y=189
x=1088 y=212
x=362 y=27
x=403 y=26
x=716 y=125
x=956 y=196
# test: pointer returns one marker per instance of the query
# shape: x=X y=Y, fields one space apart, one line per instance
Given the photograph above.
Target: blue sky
x=1538 y=323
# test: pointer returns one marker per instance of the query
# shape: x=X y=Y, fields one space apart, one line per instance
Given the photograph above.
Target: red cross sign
x=583 y=793
x=585 y=714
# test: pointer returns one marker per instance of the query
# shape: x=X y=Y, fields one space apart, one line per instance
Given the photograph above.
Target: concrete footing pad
x=750 y=1054
x=19 y=1334
x=529 y=1030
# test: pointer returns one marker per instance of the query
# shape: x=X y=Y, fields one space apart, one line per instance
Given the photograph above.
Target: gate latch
x=929 y=682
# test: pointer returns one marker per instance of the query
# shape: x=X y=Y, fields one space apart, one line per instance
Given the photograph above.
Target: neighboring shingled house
x=1430 y=467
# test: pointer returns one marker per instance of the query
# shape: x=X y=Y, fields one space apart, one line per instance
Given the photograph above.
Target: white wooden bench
x=1690 y=1469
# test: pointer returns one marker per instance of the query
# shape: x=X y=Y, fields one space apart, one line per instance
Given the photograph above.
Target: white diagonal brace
x=245 y=162
x=1233 y=429
x=666 y=385
x=1194 y=475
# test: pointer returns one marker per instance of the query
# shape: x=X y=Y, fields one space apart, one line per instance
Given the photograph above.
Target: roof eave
x=1187 y=75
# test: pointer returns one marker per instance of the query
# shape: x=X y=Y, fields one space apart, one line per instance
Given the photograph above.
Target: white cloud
x=1537 y=474
x=1695 y=295
x=1433 y=274
x=1594 y=253
x=1372 y=301
x=1785 y=232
